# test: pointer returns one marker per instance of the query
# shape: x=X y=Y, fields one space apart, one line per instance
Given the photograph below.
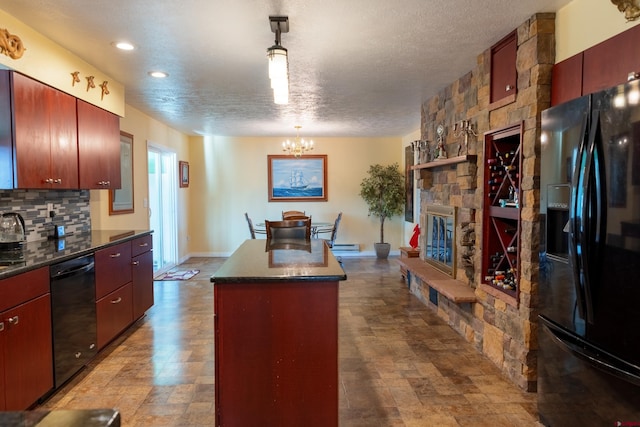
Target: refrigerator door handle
x=576 y=215
x=592 y=213
x=587 y=352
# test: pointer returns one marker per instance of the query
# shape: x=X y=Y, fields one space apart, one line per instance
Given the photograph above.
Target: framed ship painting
x=297 y=178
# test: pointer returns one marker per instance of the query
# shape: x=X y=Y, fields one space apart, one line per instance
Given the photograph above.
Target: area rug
x=177 y=275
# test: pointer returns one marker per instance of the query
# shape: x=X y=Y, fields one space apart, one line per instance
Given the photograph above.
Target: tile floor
x=400 y=365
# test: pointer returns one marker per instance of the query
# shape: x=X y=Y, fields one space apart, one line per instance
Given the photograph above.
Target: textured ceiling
x=357 y=67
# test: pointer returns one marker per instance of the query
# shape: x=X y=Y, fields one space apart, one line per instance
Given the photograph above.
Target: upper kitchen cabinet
x=566 y=80
x=98 y=147
x=602 y=66
x=38 y=139
x=610 y=63
x=503 y=71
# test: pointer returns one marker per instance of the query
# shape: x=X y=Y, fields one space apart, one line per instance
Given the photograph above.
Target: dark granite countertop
x=46 y=252
x=297 y=260
x=60 y=418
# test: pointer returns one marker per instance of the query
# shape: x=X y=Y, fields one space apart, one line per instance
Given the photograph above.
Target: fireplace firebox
x=439 y=225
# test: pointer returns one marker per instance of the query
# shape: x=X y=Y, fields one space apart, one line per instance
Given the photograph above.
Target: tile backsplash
x=71 y=209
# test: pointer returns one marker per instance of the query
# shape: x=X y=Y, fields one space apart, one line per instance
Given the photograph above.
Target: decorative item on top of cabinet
x=501 y=212
x=629 y=8
x=26 y=360
x=98 y=147
x=10 y=44
x=38 y=135
x=503 y=71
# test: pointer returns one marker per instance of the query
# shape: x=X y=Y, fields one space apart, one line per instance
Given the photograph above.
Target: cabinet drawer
x=141 y=245
x=113 y=268
x=114 y=313
x=23 y=287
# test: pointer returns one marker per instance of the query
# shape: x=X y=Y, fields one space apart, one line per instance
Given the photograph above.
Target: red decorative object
x=414 y=239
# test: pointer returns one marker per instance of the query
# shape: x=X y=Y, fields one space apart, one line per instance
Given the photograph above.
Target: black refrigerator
x=589 y=287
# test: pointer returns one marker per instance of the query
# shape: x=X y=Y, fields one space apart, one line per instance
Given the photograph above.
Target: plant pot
x=382 y=250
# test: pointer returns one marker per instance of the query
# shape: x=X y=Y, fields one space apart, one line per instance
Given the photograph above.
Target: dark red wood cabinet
x=602 y=66
x=26 y=353
x=113 y=268
x=124 y=286
x=45 y=135
x=504 y=74
x=609 y=63
x=98 y=147
x=276 y=354
x=566 y=80
x=114 y=312
x=142 y=275
x=114 y=292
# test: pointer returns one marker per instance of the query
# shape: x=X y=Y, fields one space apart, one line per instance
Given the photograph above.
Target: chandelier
x=278 y=61
x=299 y=146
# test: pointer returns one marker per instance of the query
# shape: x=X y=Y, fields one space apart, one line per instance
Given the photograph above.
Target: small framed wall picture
x=184 y=173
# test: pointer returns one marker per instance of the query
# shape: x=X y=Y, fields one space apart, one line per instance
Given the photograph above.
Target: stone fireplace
x=503 y=330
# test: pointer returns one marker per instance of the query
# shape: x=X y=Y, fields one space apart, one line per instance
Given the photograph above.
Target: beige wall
x=52 y=64
x=229 y=178
x=584 y=23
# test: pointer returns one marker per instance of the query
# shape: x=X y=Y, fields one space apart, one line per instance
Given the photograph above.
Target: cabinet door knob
x=1 y=326
x=634 y=75
x=135 y=263
x=49 y=181
x=14 y=320
x=115 y=255
x=144 y=245
x=78 y=354
x=58 y=181
x=116 y=301
x=509 y=88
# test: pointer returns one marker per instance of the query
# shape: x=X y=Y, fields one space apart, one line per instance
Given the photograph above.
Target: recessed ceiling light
x=158 y=74
x=123 y=45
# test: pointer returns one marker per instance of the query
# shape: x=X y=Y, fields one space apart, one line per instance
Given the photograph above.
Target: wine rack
x=501 y=216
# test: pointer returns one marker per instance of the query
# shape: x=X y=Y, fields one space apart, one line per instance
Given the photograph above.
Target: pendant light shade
x=279 y=61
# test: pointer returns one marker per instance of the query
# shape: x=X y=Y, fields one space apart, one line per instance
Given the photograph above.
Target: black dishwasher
x=73 y=316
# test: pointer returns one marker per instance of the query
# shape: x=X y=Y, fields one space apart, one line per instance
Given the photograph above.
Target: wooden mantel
x=445 y=162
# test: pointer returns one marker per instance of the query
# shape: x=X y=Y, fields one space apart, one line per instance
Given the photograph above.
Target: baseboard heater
x=342 y=247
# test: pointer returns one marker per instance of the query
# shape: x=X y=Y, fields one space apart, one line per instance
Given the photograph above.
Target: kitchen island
x=276 y=335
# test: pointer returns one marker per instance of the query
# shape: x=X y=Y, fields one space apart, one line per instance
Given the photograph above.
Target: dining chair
x=294 y=215
x=333 y=230
x=289 y=229
x=252 y=230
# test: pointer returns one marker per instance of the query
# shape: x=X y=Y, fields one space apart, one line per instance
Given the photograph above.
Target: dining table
x=317 y=227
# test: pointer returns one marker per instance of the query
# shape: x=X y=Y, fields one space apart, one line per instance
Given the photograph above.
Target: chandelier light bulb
x=298 y=146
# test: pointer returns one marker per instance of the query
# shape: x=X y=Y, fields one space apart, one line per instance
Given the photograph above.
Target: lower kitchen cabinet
x=142 y=281
x=124 y=286
x=114 y=313
x=26 y=353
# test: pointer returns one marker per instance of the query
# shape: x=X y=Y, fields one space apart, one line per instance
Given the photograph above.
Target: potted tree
x=383 y=191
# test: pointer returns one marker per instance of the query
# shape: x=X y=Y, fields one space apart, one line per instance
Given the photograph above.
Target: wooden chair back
x=289 y=229
x=293 y=215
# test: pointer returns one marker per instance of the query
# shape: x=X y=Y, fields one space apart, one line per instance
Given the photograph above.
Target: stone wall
x=505 y=331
